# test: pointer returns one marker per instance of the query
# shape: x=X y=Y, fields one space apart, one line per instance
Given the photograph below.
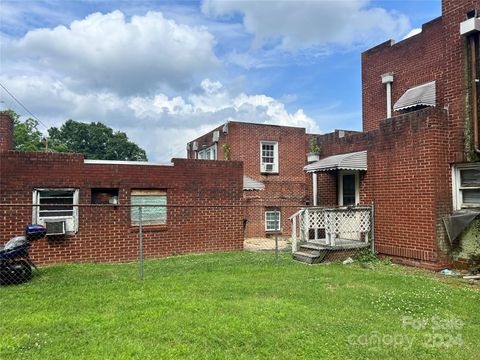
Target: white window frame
x=209 y=153
x=457 y=185
x=341 y=174
x=275 y=157
x=71 y=222
x=267 y=229
x=145 y=221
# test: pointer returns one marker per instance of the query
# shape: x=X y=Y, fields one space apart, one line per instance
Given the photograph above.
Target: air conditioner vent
x=55 y=227
x=268 y=168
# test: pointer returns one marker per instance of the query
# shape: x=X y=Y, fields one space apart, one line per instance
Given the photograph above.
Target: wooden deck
x=340 y=244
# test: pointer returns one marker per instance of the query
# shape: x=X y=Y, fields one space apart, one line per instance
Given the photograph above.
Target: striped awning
x=349 y=161
x=250 y=184
x=422 y=95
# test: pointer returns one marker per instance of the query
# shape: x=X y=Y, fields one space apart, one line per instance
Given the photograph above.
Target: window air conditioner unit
x=195 y=146
x=267 y=168
x=55 y=227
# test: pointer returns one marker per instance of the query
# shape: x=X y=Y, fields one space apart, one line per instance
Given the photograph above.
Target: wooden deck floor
x=340 y=244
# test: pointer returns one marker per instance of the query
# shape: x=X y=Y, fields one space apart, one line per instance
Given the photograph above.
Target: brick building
x=417 y=158
x=273 y=157
x=104 y=227
x=420 y=123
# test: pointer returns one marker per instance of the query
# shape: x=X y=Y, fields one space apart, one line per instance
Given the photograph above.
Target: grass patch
x=238 y=305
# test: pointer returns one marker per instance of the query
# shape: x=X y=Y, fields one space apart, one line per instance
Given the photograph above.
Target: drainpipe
x=315 y=190
x=470 y=28
x=388 y=80
x=474 y=82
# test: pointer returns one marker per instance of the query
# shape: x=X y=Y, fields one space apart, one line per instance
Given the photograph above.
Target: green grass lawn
x=240 y=306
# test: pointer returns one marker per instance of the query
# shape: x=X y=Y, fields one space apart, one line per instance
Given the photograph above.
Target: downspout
x=470 y=28
x=387 y=79
x=474 y=82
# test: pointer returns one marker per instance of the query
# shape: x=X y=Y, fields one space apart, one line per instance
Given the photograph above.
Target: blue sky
x=167 y=71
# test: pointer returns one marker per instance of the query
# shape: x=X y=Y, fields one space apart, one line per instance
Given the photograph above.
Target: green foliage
x=474 y=263
x=26 y=136
x=313 y=146
x=233 y=306
x=366 y=256
x=226 y=151
x=94 y=140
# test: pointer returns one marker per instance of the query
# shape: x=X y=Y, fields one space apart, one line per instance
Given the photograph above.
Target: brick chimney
x=6 y=132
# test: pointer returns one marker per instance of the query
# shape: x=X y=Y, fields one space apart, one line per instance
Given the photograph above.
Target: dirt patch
x=265 y=244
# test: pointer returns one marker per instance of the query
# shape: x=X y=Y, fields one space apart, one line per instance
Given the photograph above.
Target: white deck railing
x=349 y=223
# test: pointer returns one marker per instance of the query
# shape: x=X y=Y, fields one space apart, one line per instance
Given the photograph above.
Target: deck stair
x=310 y=253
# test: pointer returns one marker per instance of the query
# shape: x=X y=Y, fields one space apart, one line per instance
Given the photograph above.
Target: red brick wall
x=413 y=61
x=407 y=179
x=6 y=132
x=105 y=233
x=287 y=188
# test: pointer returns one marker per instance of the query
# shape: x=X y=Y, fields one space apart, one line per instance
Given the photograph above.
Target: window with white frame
x=56 y=205
x=272 y=220
x=151 y=215
x=269 y=157
x=209 y=153
x=466 y=186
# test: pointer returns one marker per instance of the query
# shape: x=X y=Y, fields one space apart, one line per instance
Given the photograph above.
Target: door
x=348 y=190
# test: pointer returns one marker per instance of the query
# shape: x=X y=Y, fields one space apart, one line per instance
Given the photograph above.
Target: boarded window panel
x=151 y=215
x=148 y=192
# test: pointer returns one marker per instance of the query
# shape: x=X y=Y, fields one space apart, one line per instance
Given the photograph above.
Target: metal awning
x=422 y=95
x=250 y=184
x=349 y=161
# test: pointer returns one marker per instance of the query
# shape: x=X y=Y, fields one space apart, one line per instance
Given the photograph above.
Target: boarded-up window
x=152 y=203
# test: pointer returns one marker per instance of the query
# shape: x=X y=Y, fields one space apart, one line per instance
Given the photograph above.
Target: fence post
x=140 y=235
x=277 y=228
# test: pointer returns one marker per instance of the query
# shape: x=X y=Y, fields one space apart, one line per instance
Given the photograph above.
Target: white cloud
x=160 y=124
x=109 y=52
x=301 y=24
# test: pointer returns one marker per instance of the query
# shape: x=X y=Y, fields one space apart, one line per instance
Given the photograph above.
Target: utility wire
x=23 y=106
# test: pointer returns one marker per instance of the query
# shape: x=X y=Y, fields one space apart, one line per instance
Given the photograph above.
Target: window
x=272 y=220
x=56 y=205
x=209 y=153
x=466 y=186
x=151 y=215
x=269 y=157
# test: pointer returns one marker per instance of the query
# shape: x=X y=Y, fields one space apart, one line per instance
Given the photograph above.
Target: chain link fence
x=149 y=228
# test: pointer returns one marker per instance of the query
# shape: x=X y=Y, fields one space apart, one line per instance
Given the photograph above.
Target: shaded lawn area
x=238 y=305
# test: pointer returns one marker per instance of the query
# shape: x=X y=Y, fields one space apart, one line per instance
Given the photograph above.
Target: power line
x=23 y=106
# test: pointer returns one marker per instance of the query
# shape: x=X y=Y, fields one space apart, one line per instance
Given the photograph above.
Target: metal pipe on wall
x=474 y=82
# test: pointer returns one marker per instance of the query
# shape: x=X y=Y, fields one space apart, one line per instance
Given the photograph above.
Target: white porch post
x=315 y=190
x=294 y=234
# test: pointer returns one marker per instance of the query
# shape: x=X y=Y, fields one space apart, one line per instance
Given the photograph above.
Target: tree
x=26 y=136
x=96 y=141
